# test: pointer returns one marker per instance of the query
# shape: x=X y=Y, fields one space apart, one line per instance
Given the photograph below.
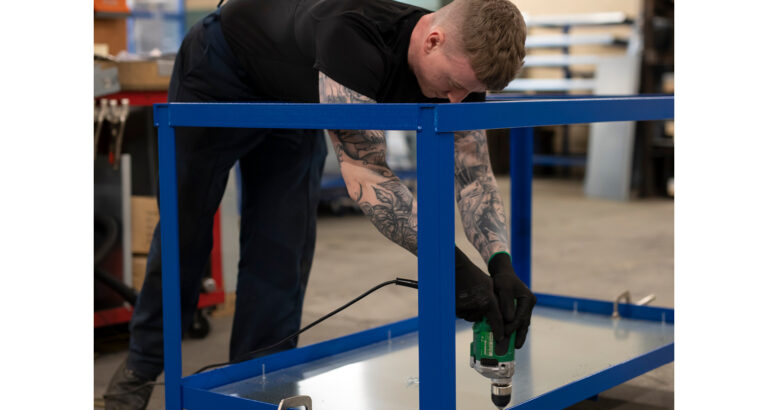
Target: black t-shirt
x=361 y=44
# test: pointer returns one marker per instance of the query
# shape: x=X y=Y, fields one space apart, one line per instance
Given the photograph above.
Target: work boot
x=127 y=390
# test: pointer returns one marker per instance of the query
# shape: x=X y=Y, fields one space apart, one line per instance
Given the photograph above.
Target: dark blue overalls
x=281 y=171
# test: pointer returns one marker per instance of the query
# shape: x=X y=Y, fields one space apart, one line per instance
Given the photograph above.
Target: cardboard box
x=144 y=217
x=139 y=271
x=112 y=32
x=149 y=75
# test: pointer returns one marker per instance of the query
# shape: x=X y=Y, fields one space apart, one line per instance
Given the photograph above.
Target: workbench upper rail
x=515 y=112
x=293 y=115
x=548 y=111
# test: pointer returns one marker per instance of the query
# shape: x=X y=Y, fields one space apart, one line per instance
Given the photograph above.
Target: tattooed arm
x=361 y=154
x=482 y=212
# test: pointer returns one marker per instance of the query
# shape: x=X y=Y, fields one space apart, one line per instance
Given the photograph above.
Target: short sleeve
x=348 y=52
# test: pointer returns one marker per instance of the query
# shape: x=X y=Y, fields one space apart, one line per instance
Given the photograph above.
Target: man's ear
x=435 y=39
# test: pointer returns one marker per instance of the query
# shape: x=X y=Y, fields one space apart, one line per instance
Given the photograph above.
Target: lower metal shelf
x=569 y=356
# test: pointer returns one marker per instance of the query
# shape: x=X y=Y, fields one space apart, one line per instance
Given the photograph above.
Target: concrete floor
x=581 y=247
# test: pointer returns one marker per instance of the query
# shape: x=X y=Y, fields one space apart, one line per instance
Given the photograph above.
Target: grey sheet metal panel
x=611 y=144
x=562 y=347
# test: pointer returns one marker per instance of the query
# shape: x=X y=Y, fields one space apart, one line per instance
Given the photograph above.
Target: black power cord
x=252 y=354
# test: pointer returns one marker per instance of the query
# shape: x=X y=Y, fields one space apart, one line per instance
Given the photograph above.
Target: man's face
x=444 y=75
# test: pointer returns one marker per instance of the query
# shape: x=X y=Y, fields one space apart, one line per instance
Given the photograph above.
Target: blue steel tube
x=520 y=177
x=169 y=241
x=437 y=304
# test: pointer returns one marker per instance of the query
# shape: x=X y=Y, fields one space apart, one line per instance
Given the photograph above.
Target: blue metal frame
x=520 y=185
x=169 y=241
x=435 y=124
x=437 y=346
x=561 y=160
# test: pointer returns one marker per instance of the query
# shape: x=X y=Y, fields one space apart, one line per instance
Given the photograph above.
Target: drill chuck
x=501 y=394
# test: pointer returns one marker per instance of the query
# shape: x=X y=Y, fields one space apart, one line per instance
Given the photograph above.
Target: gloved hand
x=475 y=299
x=508 y=288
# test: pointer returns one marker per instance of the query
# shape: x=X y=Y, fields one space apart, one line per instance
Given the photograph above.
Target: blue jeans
x=281 y=171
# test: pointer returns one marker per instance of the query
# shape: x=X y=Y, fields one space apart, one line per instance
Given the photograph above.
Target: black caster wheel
x=200 y=326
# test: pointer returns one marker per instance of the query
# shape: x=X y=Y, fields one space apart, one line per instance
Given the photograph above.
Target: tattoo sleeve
x=477 y=195
x=362 y=158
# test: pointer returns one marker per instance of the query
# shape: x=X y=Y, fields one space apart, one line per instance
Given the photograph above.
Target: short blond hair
x=492 y=36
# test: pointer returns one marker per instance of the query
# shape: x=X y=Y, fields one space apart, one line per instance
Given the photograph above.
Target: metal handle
x=625 y=295
x=646 y=300
x=295 y=401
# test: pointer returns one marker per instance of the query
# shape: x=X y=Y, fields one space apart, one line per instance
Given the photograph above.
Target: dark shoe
x=128 y=391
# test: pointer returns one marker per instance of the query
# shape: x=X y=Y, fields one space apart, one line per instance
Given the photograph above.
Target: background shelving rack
x=122 y=314
x=436 y=323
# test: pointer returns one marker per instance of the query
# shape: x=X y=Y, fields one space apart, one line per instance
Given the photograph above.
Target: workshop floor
x=581 y=247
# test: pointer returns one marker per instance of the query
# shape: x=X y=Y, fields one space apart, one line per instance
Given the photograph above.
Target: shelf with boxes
x=125 y=162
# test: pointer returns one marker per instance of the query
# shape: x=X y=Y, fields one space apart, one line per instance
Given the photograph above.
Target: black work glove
x=508 y=288
x=475 y=299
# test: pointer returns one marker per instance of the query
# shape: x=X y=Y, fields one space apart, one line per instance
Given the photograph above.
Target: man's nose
x=457 y=95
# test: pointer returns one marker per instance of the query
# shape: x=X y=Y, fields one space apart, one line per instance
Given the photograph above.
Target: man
x=326 y=51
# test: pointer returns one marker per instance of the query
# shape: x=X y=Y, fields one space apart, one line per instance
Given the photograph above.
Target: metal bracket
x=295 y=401
x=625 y=295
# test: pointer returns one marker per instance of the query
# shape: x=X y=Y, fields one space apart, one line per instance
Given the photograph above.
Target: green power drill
x=483 y=358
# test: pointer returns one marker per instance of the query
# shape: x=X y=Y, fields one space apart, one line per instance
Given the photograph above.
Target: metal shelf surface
x=563 y=347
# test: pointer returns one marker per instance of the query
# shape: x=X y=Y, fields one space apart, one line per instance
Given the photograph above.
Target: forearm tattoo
x=393 y=213
x=362 y=158
x=477 y=196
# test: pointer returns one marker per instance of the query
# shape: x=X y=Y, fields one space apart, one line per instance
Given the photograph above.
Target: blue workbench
x=436 y=324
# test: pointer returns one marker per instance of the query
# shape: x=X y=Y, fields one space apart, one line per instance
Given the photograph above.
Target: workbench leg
x=169 y=241
x=520 y=181
x=437 y=305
